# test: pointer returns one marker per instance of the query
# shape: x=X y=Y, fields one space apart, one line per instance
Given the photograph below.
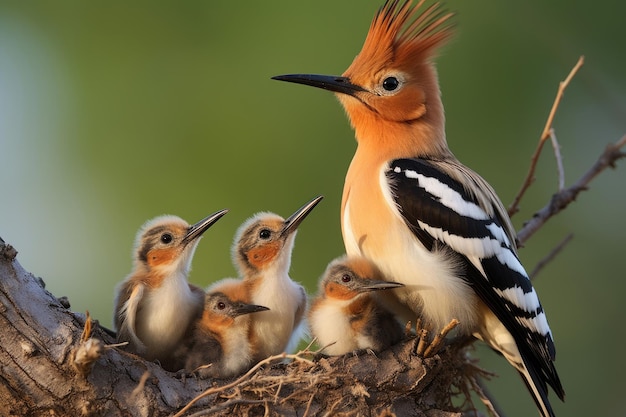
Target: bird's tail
x=536 y=370
x=536 y=386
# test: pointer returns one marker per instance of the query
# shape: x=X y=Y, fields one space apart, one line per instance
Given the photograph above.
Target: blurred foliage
x=113 y=114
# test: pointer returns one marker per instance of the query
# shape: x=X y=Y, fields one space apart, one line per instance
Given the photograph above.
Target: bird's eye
x=166 y=238
x=390 y=83
x=265 y=234
x=346 y=278
x=221 y=305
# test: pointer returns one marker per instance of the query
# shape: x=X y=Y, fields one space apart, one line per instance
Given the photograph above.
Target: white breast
x=236 y=347
x=164 y=316
x=274 y=328
x=433 y=291
x=330 y=324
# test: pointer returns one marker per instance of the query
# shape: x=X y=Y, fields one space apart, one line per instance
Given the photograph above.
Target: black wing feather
x=419 y=207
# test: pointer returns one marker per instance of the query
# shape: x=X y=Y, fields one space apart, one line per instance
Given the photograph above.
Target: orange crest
x=401 y=34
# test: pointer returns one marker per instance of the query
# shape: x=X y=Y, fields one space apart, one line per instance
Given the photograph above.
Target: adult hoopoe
x=421 y=216
x=155 y=304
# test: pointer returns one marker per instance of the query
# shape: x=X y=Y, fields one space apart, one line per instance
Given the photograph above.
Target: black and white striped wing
x=440 y=209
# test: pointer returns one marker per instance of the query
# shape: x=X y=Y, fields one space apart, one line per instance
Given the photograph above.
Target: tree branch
x=559 y=201
x=545 y=135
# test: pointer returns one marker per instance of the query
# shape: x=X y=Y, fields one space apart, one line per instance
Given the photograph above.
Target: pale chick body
x=218 y=345
x=346 y=316
x=155 y=304
x=262 y=254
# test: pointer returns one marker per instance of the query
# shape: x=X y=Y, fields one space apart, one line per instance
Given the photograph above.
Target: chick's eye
x=390 y=83
x=166 y=238
x=346 y=278
x=221 y=305
x=265 y=234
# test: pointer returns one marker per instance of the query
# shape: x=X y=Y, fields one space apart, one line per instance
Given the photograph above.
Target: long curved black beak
x=377 y=285
x=292 y=223
x=332 y=83
x=196 y=230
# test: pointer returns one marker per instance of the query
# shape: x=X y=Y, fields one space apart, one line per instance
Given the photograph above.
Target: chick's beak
x=243 y=308
x=196 y=230
x=292 y=223
x=376 y=285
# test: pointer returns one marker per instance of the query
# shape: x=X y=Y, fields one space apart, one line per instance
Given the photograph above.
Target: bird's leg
x=422 y=343
x=425 y=349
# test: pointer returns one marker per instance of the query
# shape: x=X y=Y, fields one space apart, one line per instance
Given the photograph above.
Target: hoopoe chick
x=155 y=304
x=219 y=345
x=345 y=316
x=262 y=253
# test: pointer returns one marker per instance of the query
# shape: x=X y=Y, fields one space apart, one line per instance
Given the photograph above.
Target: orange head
x=166 y=244
x=348 y=277
x=266 y=241
x=391 y=87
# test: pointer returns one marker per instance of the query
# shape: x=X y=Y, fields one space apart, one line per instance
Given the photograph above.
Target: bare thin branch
x=486 y=397
x=550 y=257
x=530 y=177
x=559 y=160
x=562 y=199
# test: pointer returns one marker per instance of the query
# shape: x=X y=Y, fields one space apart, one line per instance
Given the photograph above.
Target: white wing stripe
x=447 y=196
x=525 y=301
x=477 y=247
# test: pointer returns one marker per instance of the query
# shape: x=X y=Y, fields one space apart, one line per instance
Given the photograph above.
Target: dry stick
x=225 y=405
x=530 y=177
x=296 y=356
x=308 y=405
x=87 y=329
x=140 y=386
x=549 y=257
x=562 y=199
x=485 y=397
x=559 y=159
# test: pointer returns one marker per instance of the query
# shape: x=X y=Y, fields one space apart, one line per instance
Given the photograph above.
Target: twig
x=115 y=345
x=297 y=356
x=480 y=390
x=562 y=199
x=308 y=405
x=548 y=258
x=87 y=329
x=530 y=177
x=559 y=159
x=140 y=386
x=227 y=404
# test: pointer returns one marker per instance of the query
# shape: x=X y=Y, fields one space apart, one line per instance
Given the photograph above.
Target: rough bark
x=41 y=376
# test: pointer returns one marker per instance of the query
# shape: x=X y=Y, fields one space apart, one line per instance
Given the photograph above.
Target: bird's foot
x=426 y=349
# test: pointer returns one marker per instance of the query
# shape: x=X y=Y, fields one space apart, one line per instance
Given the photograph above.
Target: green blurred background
x=111 y=115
